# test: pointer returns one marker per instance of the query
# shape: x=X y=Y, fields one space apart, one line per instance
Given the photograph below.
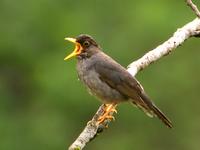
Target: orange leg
x=108 y=109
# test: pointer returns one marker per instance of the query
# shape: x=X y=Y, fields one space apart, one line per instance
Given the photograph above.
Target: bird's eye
x=86 y=43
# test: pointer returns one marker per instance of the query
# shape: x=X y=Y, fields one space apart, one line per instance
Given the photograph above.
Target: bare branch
x=193 y=7
x=93 y=129
x=182 y=34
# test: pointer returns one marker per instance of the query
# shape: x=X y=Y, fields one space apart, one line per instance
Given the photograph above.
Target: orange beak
x=77 y=50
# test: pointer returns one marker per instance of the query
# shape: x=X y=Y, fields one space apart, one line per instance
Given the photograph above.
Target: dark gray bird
x=108 y=80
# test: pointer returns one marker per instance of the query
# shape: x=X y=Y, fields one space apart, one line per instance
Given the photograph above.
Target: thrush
x=108 y=80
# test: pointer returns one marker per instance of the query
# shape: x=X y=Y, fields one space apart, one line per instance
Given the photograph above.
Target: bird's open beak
x=77 y=50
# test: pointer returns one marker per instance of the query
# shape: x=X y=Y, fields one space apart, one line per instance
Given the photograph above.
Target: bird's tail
x=151 y=110
x=161 y=116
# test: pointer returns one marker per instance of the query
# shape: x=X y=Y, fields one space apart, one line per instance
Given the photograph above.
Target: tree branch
x=189 y=30
x=193 y=7
x=91 y=130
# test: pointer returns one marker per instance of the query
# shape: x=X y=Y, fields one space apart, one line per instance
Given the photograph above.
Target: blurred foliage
x=44 y=107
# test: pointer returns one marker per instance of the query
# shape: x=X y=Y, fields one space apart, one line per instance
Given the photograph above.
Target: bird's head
x=85 y=45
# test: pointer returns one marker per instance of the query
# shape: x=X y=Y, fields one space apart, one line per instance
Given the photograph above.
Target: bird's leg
x=109 y=108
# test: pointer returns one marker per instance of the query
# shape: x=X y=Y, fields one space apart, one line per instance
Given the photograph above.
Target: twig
x=193 y=7
x=189 y=30
x=92 y=129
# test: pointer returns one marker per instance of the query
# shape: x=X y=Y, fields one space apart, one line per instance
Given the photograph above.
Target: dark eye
x=86 y=43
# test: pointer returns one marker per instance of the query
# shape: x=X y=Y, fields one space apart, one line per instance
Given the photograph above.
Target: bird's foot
x=104 y=117
x=109 y=108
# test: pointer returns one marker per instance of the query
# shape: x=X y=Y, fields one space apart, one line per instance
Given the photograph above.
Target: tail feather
x=143 y=108
x=161 y=116
x=151 y=107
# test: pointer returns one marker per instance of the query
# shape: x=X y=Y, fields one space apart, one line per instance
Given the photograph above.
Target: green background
x=43 y=106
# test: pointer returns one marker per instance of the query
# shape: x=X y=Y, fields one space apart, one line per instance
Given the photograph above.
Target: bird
x=109 y=81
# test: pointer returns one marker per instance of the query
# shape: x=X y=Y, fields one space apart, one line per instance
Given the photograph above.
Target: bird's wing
x=118 y=78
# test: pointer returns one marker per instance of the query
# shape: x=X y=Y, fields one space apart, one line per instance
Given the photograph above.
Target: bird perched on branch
x=108 y=80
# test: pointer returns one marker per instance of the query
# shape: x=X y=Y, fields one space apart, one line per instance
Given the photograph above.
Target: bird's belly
x=99 y=88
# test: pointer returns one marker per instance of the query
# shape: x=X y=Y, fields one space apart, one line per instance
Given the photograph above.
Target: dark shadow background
x=43 y=106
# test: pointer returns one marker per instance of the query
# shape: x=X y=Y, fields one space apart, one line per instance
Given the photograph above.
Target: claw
x=103 y=118
x=109 y=108
x=114 y=110
x=111 y=118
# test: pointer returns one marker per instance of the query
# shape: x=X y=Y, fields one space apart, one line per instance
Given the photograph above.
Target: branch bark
x=189 y=30
x=193 y=7
x=92 y=129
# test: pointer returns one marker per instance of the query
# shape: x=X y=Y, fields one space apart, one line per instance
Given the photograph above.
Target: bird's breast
x=91 y=79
